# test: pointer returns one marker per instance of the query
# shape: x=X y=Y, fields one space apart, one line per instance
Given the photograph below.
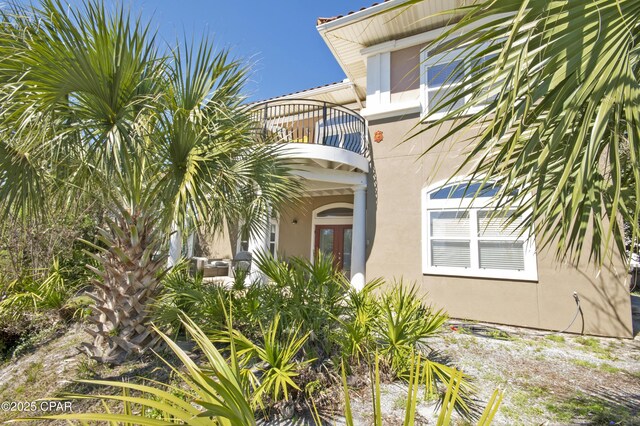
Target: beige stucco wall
x=295 y=239
x=215 y=245
x=395 y=250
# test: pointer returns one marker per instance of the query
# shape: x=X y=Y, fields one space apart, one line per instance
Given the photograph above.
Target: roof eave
x=359 y=15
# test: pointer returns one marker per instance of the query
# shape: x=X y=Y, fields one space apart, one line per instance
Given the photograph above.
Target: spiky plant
x=212 y=394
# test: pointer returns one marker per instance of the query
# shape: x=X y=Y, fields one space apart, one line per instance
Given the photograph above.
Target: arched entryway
x=332 y=234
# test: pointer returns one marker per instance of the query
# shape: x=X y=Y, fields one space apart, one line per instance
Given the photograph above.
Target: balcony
x=331 y=135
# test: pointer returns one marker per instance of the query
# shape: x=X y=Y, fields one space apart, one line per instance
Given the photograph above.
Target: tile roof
x=321 y=21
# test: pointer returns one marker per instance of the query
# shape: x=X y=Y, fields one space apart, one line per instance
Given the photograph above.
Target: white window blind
x=508 y=255
x=464 y=237
x=455 y=254
x=444 y=71
x=447 y=227
x=498 y=225
x=450 y=224
x=440 y=81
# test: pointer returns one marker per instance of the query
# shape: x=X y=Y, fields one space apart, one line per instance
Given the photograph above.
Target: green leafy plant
x=186 y=294
x=53 y=293
x=362 y=312
x=448 y=405
x=403 y=328
x=212 y=394
x=280 y=368
x=308 y=294
x=296 y=327
x=270 y=365
x=405 y=323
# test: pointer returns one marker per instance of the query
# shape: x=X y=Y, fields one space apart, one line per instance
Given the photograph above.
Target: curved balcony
x=316 y=130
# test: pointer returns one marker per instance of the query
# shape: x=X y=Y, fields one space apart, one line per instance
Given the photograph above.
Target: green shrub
x=272 y=364
x=357 y=328
x=218 y=393
x=404 y=324
x=32 y=305
x=186 y=294
x=29 y=295
x=305 y=317
x=309 y=294
x=212 y=394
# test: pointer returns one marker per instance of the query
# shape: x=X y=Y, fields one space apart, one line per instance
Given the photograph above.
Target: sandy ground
x=546 y=379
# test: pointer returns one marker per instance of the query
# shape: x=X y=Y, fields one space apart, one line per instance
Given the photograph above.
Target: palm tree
x=554 y=87
x=91 y=107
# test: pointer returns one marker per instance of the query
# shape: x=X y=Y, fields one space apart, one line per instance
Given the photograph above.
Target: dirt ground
x=546 y=379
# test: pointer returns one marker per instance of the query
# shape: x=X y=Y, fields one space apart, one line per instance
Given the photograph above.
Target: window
x=463 y=236
x=441 y=73
x=244 y=237
x=243 y=240
x=273 y=236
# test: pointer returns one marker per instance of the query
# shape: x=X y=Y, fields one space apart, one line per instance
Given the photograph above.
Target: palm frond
x=554 y=88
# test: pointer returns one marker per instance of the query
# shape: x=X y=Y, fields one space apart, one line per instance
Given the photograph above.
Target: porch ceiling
x=323 y=164
x=314 y=188
x=325 y=157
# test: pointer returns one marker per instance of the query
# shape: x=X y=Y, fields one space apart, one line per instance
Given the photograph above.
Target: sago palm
x=554 y=88
x=90 y=105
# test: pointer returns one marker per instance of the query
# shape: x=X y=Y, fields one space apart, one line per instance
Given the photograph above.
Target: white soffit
x=341 y=93
x=348 y=35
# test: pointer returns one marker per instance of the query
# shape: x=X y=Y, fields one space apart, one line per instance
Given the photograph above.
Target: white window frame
x=441 y=59
x=530 y=272
x=274 y=222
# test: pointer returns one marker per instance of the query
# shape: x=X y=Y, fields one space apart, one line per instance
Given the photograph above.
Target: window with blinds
x=450 y=245
x=462 y=239
x=496 y=250
x=442 y=72
x=440 y=82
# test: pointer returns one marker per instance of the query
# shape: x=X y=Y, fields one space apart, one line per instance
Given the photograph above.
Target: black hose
x=578 y=311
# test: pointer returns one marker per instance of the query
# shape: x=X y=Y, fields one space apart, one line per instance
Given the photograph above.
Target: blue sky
x=278 y=37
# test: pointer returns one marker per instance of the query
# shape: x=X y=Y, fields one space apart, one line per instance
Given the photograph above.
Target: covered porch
x=328 y=221
x=327 y=147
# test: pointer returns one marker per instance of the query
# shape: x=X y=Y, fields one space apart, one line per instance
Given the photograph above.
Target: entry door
x=335 y=240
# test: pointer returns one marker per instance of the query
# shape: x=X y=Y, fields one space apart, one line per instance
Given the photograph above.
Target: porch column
x=175 y=246
x=358 y=243
x=258 y=242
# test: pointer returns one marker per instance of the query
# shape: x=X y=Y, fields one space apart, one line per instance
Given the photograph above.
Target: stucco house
x=378 y=206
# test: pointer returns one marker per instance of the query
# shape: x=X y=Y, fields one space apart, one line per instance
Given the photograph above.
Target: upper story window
x=443 y=72
x=464 y=236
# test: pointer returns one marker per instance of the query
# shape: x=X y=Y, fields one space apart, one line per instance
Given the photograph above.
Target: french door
x=335 y=241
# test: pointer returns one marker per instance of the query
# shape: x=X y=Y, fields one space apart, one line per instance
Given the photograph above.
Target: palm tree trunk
x=125 y=285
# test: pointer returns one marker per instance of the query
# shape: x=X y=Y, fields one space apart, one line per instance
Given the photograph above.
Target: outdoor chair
x=242 y=261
